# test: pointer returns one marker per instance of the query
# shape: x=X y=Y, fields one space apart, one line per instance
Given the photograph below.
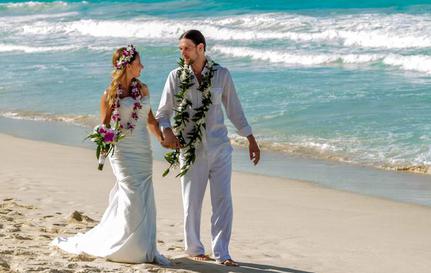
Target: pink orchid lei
x=135 y=94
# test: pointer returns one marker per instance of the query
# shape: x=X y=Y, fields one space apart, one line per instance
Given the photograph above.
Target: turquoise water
x=334 y=79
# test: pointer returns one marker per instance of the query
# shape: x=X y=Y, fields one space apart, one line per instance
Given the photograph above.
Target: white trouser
x=216 y=166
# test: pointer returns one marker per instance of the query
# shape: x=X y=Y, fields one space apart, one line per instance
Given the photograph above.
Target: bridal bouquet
x=105 y=139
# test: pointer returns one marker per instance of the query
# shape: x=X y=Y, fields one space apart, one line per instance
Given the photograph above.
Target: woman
x=127 y=230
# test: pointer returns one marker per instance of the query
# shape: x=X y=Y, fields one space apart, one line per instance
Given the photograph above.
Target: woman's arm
x=153 y=125
x=105 y=111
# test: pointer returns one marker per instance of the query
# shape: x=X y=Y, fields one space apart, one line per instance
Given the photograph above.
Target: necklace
x=182 y=116
x=135 y=94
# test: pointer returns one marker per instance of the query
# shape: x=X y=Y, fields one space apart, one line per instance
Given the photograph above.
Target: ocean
x=332 y=80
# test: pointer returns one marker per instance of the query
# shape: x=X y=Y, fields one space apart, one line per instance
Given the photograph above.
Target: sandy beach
x=280 y=225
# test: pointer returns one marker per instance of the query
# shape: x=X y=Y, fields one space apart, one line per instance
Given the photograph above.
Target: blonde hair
x=117 y=74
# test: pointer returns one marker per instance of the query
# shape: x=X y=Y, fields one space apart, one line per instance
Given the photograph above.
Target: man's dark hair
x=195 y=36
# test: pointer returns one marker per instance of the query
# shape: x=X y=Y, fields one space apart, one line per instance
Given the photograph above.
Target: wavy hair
x=117 y=74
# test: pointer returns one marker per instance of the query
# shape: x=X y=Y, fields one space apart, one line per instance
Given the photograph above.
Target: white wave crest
x=364 y=30
x=420 y=63
x=370 y=31
x=361 y=30
x=31 y=49
x=275 y=56
x=32 y=4
x=81 y=120
x=40 y=49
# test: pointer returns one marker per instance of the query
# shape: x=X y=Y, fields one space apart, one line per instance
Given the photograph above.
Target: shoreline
x=280 y=225
x=89 y=121
x=398 y=186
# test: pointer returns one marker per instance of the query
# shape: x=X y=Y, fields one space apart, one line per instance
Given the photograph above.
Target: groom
x=213 y=154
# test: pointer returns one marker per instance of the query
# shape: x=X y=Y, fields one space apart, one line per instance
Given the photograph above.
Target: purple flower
x=101 y=130
x=130 y=126
x=137 y=105
x=115 y=117
x=109 y=137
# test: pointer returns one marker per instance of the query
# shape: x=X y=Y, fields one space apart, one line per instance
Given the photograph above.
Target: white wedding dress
x=127 y=230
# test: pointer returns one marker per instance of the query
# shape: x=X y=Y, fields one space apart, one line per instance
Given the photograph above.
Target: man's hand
x=253 y=149
x=170 y=140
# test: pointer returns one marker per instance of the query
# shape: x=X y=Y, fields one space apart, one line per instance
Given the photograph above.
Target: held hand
x=170 y=140
x=253 y=149
x=160 y=138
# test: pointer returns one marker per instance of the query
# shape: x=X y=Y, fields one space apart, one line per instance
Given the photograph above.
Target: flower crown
x=126 y=57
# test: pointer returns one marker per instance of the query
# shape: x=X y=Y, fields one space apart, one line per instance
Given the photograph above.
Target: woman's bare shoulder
x=143 y=88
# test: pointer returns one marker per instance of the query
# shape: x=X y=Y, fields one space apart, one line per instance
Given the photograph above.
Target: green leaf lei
x=182 y=116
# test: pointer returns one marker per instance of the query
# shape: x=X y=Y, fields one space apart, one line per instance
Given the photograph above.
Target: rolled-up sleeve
x=233 y=107
x=164 y=112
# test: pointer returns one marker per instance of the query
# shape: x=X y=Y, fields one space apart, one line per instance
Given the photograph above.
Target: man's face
x=189 y=51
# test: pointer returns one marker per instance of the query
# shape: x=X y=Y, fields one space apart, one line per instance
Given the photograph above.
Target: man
x=213 y=154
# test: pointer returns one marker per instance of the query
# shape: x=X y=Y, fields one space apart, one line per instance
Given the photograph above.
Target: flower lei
x=126 y=57
x=182 y=116
x=131 y=123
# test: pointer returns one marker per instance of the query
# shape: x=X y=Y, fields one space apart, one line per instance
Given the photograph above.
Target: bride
x=127 y=230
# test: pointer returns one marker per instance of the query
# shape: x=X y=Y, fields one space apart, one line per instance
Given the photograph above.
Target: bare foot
x=201 y=257
x=229 y=262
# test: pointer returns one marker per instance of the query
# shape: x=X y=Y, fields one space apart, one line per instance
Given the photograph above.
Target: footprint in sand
x=80 y=217
x=23 y=252
x=72 y=265
x=8 y=218
x=82 y=258
x=4 y=264
x=45 y=236
x=52 y=230
x=94 y=269
x=15 y=213
x=13 y=229
x=60 y=270
x=155 y=270
x=20 y=237
x=6 y=252
x=175 y=248
x=5 y=211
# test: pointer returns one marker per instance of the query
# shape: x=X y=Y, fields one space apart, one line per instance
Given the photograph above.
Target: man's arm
x=164 y=112
x=236 y=115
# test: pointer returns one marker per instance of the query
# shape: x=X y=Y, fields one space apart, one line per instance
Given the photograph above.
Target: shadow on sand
x=212 y=267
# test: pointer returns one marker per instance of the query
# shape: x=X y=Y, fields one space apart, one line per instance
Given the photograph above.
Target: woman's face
x=136 y=67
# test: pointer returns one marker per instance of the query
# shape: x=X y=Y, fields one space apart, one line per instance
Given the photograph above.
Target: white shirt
x=222 y=92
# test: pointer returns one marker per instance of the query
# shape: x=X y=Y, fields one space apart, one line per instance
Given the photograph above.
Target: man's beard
x=189 y=61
